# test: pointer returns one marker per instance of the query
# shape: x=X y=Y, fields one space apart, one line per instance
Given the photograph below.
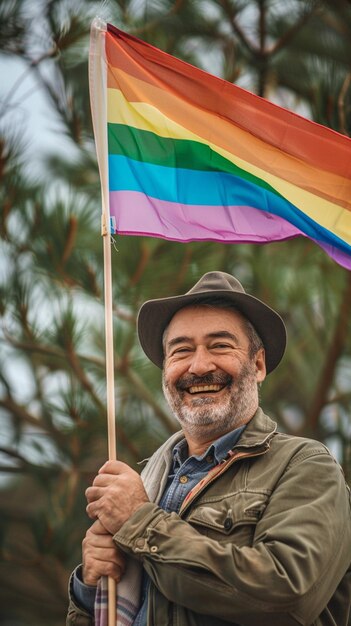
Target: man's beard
x=208 y=416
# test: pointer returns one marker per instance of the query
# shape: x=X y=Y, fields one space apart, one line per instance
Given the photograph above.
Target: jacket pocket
x=233 y=515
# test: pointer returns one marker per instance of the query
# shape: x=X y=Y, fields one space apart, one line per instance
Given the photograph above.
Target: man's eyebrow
x=220 y=334
x=223 y=334
x=177 y=340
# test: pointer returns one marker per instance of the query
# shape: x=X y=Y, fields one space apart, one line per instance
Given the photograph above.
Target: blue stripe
x=211 y=189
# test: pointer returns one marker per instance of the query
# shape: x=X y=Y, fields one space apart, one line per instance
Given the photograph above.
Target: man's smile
x=205 y=388
x=208 y=384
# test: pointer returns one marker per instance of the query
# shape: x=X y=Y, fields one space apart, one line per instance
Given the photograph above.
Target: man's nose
x=201 y=362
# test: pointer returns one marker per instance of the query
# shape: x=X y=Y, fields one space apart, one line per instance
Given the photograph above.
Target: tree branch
x=120 y=366
x=291 y=32
x=236 y=28
x=341 y=104
x=155 y=22
x=331 y=358
x=144 y=393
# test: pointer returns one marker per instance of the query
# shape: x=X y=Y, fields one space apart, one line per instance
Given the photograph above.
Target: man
x=233 y=521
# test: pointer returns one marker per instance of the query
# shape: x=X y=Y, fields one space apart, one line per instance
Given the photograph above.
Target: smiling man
x=210 y=376
x=231 y=521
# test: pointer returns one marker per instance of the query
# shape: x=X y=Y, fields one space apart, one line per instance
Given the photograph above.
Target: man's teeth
x=204 y=388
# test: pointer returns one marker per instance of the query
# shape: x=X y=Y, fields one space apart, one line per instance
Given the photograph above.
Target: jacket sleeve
x=76 y=616
x=301 y=550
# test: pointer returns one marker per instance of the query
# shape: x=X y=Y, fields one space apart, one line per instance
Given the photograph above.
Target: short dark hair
x=255 y=341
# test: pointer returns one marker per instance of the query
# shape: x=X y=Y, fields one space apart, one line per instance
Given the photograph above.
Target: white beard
x=206 y=416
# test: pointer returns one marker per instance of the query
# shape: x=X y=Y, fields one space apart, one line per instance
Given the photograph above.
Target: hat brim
x=155 y=315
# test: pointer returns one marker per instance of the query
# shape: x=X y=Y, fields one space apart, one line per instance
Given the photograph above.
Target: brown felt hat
x=155 y=315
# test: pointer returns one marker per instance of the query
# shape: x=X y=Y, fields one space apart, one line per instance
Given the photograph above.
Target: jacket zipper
x=211 y=477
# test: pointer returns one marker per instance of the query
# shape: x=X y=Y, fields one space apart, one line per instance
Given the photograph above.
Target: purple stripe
x=340 y=257
x=138 y=214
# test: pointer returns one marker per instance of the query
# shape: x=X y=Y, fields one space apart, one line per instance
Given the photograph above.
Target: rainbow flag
x=187 y=156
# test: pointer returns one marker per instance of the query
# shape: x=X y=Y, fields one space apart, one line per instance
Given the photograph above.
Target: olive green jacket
x=263 y=540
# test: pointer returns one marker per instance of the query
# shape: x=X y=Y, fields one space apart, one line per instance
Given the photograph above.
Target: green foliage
x=52 y=346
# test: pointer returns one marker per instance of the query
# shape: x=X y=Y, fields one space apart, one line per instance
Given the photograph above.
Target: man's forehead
x=212 y=319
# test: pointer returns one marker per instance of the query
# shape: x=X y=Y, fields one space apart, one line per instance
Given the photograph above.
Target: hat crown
x=216 y=281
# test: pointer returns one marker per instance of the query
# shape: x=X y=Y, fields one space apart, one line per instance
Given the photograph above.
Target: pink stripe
x=138 y=214
x=340 y=257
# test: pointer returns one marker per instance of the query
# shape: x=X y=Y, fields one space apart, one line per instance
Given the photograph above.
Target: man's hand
x=117 y=492
x=100 y=556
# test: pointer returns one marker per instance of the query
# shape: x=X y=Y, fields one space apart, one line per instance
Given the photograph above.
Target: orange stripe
x=312 y=143
x=247 y=146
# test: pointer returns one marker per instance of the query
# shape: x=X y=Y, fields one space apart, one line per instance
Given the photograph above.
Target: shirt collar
x=218 y=449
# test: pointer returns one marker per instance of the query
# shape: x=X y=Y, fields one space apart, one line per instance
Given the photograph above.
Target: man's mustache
x=189 y=380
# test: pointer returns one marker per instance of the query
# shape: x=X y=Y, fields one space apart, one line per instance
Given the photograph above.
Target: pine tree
x=52 y=369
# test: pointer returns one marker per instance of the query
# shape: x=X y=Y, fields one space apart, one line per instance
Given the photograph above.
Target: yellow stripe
x=147 y=117
x=335 y=187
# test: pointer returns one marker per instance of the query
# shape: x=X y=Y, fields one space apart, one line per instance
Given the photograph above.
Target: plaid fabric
x=128 y=595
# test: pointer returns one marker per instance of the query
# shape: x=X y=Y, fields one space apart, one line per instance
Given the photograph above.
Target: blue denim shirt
x=184 y=474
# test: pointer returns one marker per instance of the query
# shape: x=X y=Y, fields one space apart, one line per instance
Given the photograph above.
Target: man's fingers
x=100 y=556
x=98 y=529
x=94 y=493
x=92 y=510
x=115 y=467
x=115 y=495
x=98 y=498
x=105 y=554
x=99 y=540
x=94 y=569
x=90 y=577
x=103 y=480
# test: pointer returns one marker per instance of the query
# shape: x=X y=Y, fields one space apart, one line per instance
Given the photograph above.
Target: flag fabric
x=187 y=156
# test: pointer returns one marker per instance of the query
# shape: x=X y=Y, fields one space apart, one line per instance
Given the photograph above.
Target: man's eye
x=221 y=346
x=181 y=350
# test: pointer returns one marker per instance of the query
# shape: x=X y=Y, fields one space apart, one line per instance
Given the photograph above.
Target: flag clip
x=113 y=225
x=104 y=229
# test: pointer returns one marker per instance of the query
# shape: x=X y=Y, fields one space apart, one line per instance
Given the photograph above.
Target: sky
x=26 y=111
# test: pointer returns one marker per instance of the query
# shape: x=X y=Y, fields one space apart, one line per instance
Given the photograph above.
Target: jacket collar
x=258 y=432
x=256 y=435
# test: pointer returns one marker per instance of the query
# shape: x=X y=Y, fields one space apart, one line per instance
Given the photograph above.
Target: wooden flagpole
x=98 y=88
x=110 y=387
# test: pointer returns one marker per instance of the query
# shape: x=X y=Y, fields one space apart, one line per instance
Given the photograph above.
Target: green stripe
x=142 y=145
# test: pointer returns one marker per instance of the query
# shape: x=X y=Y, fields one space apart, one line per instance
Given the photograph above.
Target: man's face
x=209 y=380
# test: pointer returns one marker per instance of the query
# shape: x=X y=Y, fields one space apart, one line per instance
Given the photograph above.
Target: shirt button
x=183 y=479
x=209 y=458
x=153 y=549
x=140 y=543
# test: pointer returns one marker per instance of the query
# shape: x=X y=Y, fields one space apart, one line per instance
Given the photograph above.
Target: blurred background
x=296 y=53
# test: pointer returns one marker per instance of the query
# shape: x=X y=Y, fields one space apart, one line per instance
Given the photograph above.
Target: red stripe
x=310 y=142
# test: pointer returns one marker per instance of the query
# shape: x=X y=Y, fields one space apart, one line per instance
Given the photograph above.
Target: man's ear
x=260 y=363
